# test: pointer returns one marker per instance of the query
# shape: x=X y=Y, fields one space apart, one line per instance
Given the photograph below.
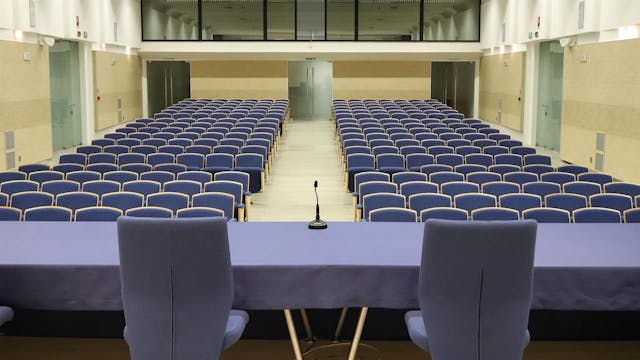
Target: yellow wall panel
x=25 y=102
x=601 y=95
x=116 y=77
x=239 y=79
x=381 y=79
x=501 y=89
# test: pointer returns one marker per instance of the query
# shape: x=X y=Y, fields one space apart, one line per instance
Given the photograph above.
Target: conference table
x=74 y=266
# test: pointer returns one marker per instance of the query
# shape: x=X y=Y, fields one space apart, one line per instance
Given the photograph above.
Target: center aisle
x=308 y=151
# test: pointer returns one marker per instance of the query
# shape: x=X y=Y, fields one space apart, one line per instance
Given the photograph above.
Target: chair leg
x=356 y=338
x=292 y=333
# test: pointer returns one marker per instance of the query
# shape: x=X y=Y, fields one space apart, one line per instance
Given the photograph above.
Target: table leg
x=358 y=334
x=307 y=325
x=343 y=315
x=293 y=334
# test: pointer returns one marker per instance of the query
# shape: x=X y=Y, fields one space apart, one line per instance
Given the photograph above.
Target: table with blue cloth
x=74 y=266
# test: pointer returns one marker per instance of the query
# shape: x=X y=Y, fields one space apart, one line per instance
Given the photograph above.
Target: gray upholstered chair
x=474 y=290
x=6 y=314
x=177 y=288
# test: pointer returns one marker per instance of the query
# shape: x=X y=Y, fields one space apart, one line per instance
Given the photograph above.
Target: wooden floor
x=17 y=348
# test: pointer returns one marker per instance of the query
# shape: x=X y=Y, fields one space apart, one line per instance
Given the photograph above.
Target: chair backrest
x=169 y=200
x=520 y=202
x=567 y=202
x=123 y=200
x=444 y=213
x=494 y=214
x=596 y=215
x=10 y=214
x=30 y=199
x=98 y=213
x=393 y=214
x=547 y=215
x=77 y=200
x=150 y=212
x=47 y=213
x=199 y=212
x=177 y=301
x=486 y=302
x=56 y=187
x=473 y=201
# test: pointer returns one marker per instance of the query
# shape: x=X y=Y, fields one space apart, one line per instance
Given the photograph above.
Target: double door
x=167 y=83
x=310 y=89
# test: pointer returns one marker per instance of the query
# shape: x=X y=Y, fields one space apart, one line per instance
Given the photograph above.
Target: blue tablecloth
x=74 y=266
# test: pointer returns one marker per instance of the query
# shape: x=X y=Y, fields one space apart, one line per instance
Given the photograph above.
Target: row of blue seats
x=159 y=139
x=252 y=165
x=542 y=215
x=564 y=208
x=102 y=213
x=122 y=176
x=420 y=134
x=174 y=195
x=417 y=156
x=191 y=182
x=495 y=184
x=117 y=150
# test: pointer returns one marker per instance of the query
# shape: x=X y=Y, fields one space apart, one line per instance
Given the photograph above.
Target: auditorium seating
x=448 y=156
x=159 y=162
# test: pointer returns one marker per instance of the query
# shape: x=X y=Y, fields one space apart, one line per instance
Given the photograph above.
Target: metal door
x=167 y=83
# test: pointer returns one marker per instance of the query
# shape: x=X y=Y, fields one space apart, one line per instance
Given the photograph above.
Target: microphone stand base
x=317 y=224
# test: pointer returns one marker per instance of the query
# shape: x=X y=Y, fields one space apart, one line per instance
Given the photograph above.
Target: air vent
x=600 y=138
x=600 y=144
x=32 y=13
x=9 y=141
x=10 y=160
x=599 y=161
x=581 y=15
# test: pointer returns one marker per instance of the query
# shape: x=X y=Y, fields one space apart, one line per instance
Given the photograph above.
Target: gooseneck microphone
x=317 y=223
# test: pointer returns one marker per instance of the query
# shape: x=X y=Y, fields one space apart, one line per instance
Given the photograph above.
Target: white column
x=86 y=92
x=145 y=95
x=532 y=64
x=476 y=91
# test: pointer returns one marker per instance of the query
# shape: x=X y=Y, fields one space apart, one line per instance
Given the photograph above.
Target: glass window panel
x=389 y=20
x=232 y=20
x=281 y=16
x=451 y=20
x=169 y=20
x=341 y=19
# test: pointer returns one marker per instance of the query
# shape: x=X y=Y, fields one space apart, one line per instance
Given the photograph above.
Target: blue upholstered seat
x=465 y=311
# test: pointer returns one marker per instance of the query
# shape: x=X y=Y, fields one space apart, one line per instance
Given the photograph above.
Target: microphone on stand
x=317 y=223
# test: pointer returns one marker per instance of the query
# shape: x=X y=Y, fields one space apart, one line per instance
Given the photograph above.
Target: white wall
x=57 y=18
x=558 y=19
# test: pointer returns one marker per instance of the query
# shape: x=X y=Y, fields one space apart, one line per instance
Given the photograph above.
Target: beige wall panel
x=381 y=80
x=381 y=88
x=502 y=80
x=239 y=79
x=25 y=102
x=116 y=76
x=242 y=88
x=601 y=95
